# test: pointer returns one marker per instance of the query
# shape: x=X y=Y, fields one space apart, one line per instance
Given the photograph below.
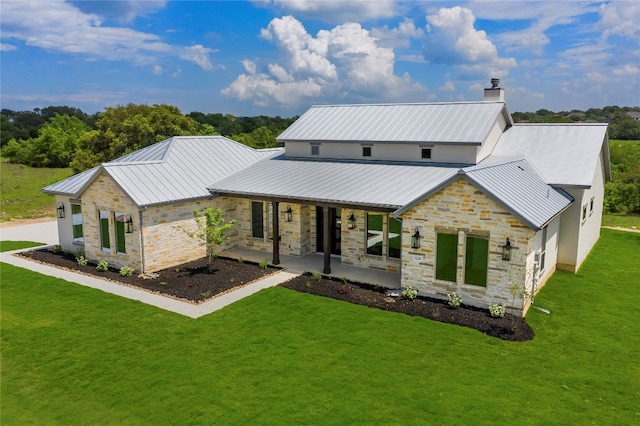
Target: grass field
x=621 y=220
x=20 y=191
x=75 y=355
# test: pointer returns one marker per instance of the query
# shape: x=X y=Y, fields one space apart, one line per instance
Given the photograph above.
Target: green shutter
x=395 y=237
x=104 y=229
x=476 y=261
x=447 y=257
x=257 y=217
x=120 y=237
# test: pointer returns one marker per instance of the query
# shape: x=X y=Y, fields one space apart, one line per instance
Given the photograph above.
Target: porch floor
x=315 y=262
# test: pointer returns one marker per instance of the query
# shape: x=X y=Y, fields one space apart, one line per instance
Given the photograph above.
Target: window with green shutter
x=119 y=220
x=105 y=243
x=446 y=257
x=76 y=221
x=476 y=261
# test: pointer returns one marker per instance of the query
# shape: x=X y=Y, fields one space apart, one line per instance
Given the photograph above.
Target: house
x=452 y=197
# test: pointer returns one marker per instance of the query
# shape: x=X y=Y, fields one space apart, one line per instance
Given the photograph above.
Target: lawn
x=75 y=355
x=20 y=190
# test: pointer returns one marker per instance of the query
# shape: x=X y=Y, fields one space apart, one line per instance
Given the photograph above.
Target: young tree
x=212 y=229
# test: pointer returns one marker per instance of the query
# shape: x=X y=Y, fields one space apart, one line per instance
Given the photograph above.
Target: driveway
x=43 y=232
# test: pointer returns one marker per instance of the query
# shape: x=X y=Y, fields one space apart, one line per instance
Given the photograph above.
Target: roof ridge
x=408 y=104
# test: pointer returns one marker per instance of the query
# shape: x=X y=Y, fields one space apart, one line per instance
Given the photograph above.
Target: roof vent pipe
x=494 y=93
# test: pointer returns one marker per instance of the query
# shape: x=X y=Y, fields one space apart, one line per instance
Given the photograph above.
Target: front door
x=335 y=230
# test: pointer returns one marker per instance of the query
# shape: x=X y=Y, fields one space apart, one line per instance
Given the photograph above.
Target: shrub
x=264 y=264
x=103 y=266
x=454 y=300
x=409 y=293
x=316 y=276
x=240 y=260
x=343 y=289
x=497 y=310
x=82 y=261
x=126 y=271
x=56 y=248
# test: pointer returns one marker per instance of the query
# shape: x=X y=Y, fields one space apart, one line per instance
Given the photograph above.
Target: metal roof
x=377 y=185
x=459 y=123
x=177 y=169
x=564 y=154
x=518 y=187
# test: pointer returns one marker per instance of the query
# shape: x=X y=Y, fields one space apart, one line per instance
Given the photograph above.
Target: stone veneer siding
x=166 y=243
x=461 y=208
x=104 y=194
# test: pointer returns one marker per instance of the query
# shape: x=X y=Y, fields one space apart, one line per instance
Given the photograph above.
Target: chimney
x=494 y=93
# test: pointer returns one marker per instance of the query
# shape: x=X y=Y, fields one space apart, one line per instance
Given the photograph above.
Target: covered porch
x=315 y=263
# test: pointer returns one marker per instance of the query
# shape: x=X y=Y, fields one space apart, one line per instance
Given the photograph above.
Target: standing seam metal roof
x=177 y=169
x=461 y=123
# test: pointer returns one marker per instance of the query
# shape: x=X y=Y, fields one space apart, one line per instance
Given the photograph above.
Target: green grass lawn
x=75 y=355
x=621 y=220
x=20 y=190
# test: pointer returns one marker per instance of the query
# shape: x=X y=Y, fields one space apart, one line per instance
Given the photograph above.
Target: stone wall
x=104 y=194
x=461 y=208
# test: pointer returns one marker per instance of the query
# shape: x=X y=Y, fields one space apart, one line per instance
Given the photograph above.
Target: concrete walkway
x=47 y=232
x=162 y=302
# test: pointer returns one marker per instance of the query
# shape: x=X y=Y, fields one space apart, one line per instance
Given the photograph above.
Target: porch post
x=276 y=234
x=326 y=234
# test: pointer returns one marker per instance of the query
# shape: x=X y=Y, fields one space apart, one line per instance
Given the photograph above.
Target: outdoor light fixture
x=351 y=221
x=288 y=214
x=128 y=225
x=60 y=210
x=415 y=239
x=506 y=250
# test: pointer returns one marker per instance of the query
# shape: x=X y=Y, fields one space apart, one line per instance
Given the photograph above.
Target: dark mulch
x=191 y=282
x=507 y=328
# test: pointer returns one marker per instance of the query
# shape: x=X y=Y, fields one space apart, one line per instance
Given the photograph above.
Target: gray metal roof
x=460 y=123
x=379 y=185
x=518 y=187
x=564 y=154
x=177 y=169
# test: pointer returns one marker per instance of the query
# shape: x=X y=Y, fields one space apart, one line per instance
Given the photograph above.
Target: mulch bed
x=509 y=327
x=191 y=282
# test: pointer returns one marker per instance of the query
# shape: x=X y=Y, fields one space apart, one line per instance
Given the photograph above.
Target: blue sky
x=277 y=57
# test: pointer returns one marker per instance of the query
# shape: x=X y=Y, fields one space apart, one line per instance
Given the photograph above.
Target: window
x=315 y=149
x=394 y=237
x=426 y=153
x=476 y=261
x=366 y=151
x=591 y=206
x=584 y=212
x=374 y=234
x=103 y=217
x=446 y=257
x=76 y=222
x=257 y=219
x=270 y=221
x=120 y=219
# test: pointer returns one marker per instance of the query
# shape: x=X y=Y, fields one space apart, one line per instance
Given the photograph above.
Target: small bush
x=163 y=283
x=409 y=293
x=82 y=261
x=343 y=289
x=56 y=248
x=497 y=310
x=454 y=300
x=316 y=276
x=206 y=294
x=240 y=260
x=264 y=264
x=126 y=271
x=103 y=266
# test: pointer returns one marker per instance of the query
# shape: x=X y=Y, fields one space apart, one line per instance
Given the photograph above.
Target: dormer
x=458 y=133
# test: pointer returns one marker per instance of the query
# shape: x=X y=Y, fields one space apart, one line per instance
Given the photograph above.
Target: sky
x=279 y=57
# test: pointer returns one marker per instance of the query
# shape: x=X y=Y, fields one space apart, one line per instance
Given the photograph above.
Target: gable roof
x=442 y=123
x=176 y=169
x=564 y=154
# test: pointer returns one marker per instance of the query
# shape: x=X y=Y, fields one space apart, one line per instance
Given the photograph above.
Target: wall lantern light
x=351 y=221
x=128 y=225
x=506 y=250
x=60 y=210
x=415 y=239
x=288 y=214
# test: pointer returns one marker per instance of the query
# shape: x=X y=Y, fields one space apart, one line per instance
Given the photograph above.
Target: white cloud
x=60 y=27
x=397 y=37
x=620 y=18
x=453 y=40
x=338 y=11
x=157 y=69
x=123 y=11
x=626 y=70
x=448 y=87
x=344 y=62
x=4 y=47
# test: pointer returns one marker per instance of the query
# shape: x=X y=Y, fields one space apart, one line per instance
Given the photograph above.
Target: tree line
x=61 y=136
